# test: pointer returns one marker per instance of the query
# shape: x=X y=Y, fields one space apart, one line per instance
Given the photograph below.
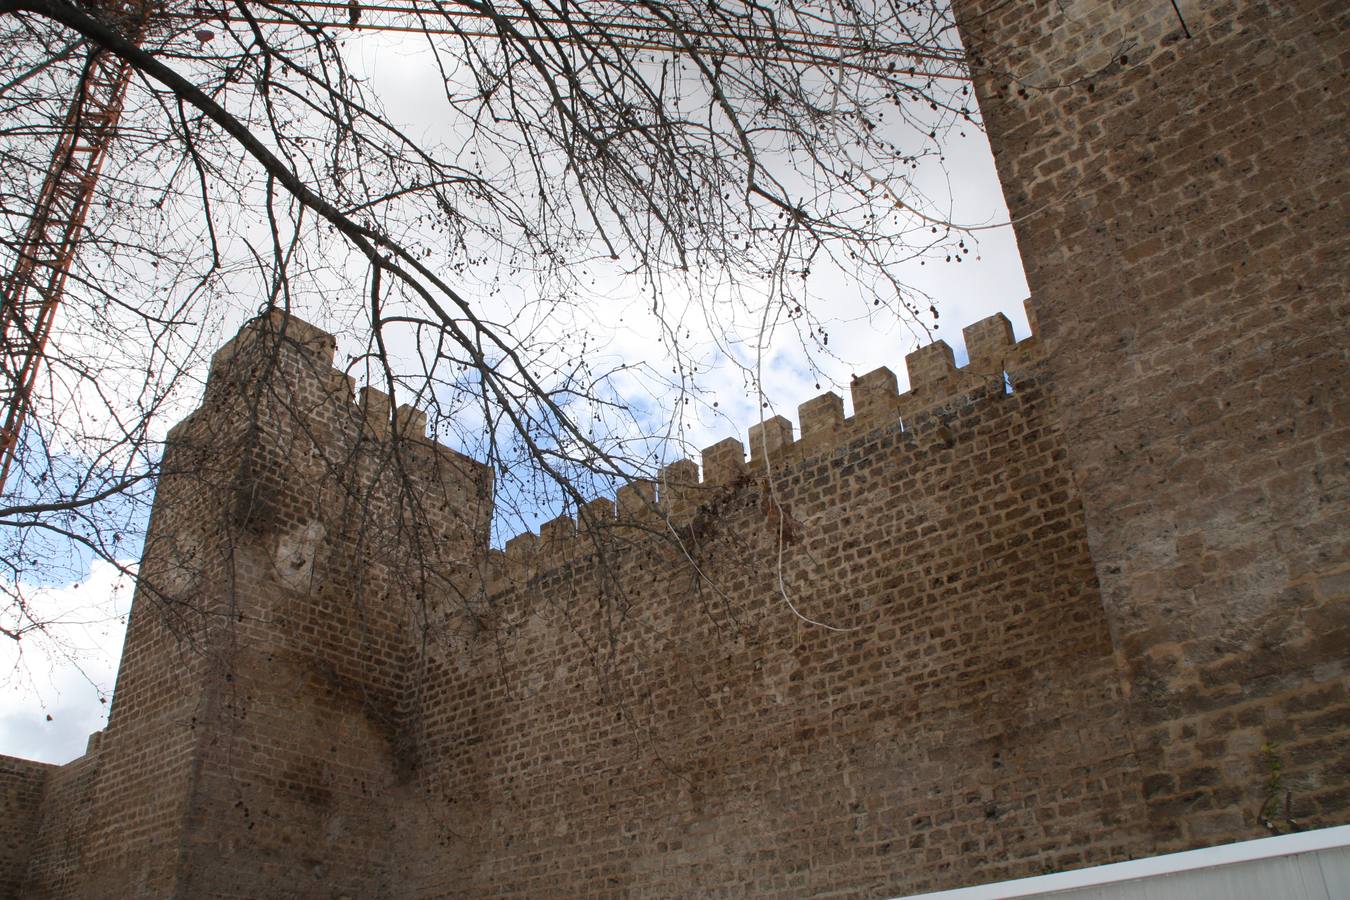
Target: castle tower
x=1176 y=176
x=258 y=736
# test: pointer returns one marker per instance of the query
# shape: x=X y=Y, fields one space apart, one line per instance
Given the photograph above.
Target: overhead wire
x=622 y=32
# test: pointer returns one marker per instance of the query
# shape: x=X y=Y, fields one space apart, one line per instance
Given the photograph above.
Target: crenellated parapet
x=278 y=343
x=334 y=410
x=681 y=487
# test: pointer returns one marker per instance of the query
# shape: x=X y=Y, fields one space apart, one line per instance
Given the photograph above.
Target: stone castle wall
x=22 y=783
x=960 y=635
x=258 y=734
x=645 y=717
x=1177 y=180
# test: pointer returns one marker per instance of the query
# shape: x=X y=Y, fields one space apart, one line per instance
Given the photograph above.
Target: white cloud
x=57 y=685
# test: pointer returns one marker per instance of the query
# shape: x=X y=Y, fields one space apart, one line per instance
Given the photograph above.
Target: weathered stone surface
x=962 y=635
x=1177 y=180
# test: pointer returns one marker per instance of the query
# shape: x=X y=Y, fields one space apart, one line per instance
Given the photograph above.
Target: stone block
x=821 y=415
x=874 y=395
x=988 y=342
x=769 y=438
x=723 y=462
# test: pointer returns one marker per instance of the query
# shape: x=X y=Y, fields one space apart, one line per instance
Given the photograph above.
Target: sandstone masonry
x=1072 y=623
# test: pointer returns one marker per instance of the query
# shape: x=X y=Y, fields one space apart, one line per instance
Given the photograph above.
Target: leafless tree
x=697 y=159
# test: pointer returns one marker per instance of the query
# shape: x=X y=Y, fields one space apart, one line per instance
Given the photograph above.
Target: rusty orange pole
x=33 y=287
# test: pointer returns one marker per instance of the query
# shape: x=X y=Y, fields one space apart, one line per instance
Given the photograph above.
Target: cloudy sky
x=70 y=681
x=56 y=693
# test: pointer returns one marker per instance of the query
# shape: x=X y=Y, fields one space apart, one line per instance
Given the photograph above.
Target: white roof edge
x=1204 y=858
